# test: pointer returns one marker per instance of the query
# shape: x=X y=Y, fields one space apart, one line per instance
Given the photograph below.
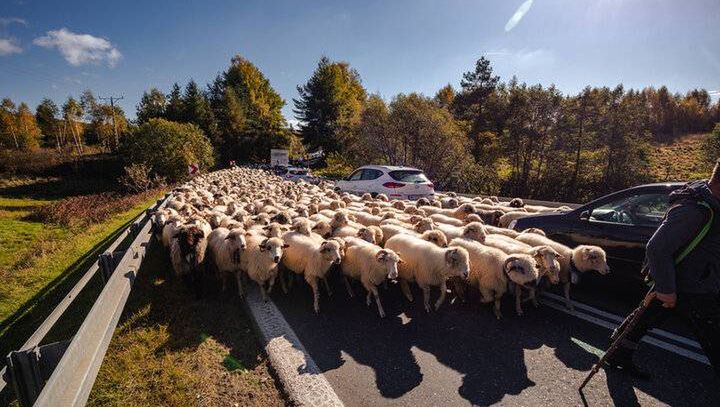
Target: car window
x=355 y=175
x=641 y=210
x=415 y=176
x=369 y=175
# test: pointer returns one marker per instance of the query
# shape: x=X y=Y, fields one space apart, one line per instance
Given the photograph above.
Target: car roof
x=388 y=168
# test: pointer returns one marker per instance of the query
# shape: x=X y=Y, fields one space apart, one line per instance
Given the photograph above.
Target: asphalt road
x=462 y=355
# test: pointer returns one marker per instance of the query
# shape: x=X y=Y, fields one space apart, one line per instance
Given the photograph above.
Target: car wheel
x=374 y=194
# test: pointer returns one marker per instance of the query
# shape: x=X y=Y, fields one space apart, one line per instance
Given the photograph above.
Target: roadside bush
x=78 y=211
x=137 y=178
x=337 y=167
x=168 y=148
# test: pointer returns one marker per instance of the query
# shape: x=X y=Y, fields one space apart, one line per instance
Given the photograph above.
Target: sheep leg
x=262 y=292
x=271 y=284
x=327 y=286
x=374 y=290
x=518 y=300
x=283 y=283
x=241 y=291
x=533 y=298
x=496 y=308
x=405 y=288
x=291 y=278
x=443 y=294
x=568 y=302
x=223 y=277
x=348 y=287
x=313 y=281
x=426 y=297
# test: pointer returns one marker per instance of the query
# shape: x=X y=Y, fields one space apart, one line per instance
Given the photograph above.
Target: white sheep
x=226 y=248
x=310 y=258
x=371 y=265
x=260 y=261
x=578 y=260
x=428 y=265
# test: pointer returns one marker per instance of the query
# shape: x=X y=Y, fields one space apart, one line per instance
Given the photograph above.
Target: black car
x=621 y=223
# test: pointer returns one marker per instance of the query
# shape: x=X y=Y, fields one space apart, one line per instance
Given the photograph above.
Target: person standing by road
x=690 y=288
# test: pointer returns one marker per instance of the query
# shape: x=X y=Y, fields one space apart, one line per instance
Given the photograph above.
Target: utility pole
x=112 y=100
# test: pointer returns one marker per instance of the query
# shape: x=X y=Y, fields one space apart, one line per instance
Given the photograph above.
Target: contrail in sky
x=519 y=14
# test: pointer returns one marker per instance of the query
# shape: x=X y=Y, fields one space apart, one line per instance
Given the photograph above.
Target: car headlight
x=512 y=224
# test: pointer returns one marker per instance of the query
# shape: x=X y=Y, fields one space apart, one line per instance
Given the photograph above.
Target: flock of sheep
x=248 y=223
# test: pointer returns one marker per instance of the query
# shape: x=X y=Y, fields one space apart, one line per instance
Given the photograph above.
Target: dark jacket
x=699 y=272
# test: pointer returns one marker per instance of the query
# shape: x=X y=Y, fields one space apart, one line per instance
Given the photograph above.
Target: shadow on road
x=463 y=353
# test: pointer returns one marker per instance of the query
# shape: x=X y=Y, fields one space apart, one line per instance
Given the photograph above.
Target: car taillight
x=393 y=185
x=430 y=184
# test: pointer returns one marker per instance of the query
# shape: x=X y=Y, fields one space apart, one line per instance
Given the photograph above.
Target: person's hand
x=668 y=300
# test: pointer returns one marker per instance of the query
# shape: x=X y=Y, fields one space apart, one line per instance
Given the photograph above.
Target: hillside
x=680 y=160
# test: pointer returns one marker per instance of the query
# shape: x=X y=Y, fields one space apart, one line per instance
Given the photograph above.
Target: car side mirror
x=585 y=215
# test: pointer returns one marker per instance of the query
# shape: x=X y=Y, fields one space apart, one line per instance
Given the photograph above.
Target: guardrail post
x=108 y=261
x=29 y=370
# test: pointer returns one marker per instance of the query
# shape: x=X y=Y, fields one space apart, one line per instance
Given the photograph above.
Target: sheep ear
x=401 y=261
x=380 y=256
x=285 y=246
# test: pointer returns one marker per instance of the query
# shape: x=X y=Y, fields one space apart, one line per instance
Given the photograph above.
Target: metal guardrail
x=63 y=373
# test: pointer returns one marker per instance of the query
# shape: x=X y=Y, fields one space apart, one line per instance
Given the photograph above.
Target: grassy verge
x=173 y=350
x=40 y=262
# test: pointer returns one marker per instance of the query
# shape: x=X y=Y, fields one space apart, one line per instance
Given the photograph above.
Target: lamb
x=311 y=258
x=428 y=265
x=488 y=271
x=170 y=229
x=226 y=248
x=260 y=261
x=371 y=265
x=573 y=261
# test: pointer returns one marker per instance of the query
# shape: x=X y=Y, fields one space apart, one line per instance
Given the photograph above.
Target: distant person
x=691 y=288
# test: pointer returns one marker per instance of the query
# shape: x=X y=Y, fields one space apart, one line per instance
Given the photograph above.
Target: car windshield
x=414 y=176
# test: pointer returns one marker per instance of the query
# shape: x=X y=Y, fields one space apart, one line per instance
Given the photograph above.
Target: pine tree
x=174 y=110
x=330 y=105
x=46 y=115
x=152 y=105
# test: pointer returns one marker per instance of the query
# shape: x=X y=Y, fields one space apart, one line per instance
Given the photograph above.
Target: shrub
x=77 y=211
x=168 y=148
x=337 y=167
x=137 y=178
x=712 y=146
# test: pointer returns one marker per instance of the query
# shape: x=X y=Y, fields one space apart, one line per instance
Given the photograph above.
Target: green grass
x=173 y=350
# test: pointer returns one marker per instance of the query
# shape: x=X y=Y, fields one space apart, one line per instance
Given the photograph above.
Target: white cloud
x=519 y=14
x=714 y=93
x=9 y=47
x=6 y=21
x=79 y=49
x=523 y=58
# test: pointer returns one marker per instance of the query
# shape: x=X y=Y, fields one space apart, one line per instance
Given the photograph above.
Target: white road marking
x=648 y=339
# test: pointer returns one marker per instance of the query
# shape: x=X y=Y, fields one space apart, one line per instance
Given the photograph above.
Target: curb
x=301 y=378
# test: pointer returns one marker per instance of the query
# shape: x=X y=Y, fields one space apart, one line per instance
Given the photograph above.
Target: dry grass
x=681 y=160
x=84 y=210
x=173 y=350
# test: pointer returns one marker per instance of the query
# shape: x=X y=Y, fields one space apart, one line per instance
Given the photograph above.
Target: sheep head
x=548 y=259
x=475 y=231
x=389 y=259
x=435 y=237
x=457 y=260
x=522 y=269
x=590 y=258
x=273 y=247
x=330 y=251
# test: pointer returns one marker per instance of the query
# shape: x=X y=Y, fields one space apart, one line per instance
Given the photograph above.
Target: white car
x=395 y=182
x=296 y=174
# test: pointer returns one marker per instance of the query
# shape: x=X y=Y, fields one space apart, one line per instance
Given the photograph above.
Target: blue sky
x=59 y=48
